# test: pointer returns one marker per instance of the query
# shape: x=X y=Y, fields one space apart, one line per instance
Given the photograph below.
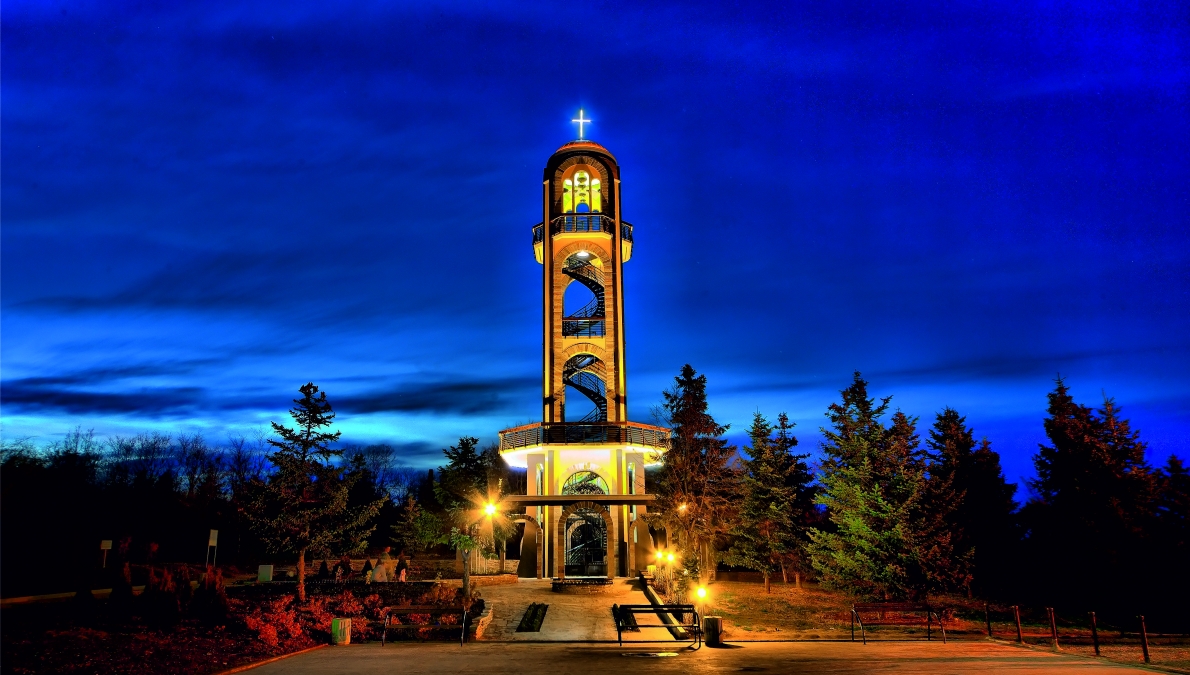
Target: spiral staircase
x=577 y=373
x=589 y=320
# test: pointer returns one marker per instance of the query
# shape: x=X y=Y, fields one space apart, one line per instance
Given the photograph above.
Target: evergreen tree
x=883 y=543
x=1094 y=495
x=303 y=506
x=770 y=526
x=463 y=481
x=698 y=484
x=1173 y=521
x=982 y=521
x=417 y=528
x=800 y=482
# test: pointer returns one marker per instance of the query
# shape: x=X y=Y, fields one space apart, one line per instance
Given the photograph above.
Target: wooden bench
x=391 y=612
x=683 y=617
x=893 y=614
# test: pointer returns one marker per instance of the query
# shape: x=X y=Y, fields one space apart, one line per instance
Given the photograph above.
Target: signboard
x=264 y=573
x=213 y=540
x=105 y=544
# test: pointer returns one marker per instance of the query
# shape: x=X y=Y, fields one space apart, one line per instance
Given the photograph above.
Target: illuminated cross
x=581 y=122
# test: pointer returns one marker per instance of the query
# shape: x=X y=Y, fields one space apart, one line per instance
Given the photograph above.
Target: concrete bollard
x=340 y=631
x=712 y=630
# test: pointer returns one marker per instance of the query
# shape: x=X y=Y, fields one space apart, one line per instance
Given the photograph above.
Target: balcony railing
x=582 y=327
x=583 y=222
x=561 y=433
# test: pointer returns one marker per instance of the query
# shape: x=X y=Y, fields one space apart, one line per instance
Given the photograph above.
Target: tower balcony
x=583 y=433
x=581 y=223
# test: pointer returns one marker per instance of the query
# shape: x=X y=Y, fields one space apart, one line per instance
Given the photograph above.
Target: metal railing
x=583 y=327
x=627 y=433
x=583 y=222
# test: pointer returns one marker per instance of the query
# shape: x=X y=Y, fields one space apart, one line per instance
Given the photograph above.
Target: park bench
x=391 y=612
x=894 y=614
x=683 y=617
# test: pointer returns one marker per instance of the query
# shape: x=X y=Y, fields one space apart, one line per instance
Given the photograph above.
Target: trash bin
x=340 y=631
x=712 y=630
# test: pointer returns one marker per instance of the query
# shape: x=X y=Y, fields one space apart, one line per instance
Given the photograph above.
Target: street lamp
x=490 y=509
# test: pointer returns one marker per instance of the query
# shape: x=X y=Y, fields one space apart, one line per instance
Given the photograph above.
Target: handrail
x=539 y=433
x=584 y=327
x=583 y=222
x=592 y=310
x=581 y=270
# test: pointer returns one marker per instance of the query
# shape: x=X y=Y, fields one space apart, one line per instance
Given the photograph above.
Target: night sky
x=206 y=206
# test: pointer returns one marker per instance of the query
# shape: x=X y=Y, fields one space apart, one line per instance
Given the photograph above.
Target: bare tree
x=391 y=477
x=146 y=456
x=199 y=465
x=245 y=461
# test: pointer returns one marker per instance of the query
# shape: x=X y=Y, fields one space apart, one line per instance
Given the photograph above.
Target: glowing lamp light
x=670 y=557
x=702 y=593
x=490 y=509
x=682 y=508
x=583 y=254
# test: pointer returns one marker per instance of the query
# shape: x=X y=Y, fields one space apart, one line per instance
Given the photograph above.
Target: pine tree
x=462 y=482
x=873 y=486
x=417 y=528
x=800 y=481
x=698 y=485
x=770 y=526
x=303 y=506
x=1094 y=497
x=970 y=479
x=1173 y=522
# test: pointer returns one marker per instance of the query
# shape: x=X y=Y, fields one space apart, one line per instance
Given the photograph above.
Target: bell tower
x=582 y=244
x=585 y=493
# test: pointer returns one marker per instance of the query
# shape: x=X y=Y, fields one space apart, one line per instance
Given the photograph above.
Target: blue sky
x=207 y=205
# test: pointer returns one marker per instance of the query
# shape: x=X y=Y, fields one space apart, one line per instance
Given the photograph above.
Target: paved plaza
x=954 y=658
x=578 y=636
x=577 y=617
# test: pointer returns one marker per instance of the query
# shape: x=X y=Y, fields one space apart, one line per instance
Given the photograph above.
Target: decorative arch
x=586 y=482
x=584 y=348
x=594 y=248
x=612 y=536
x=593 y=166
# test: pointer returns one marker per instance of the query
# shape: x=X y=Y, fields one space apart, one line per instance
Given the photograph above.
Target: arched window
x=585 y=483
x=581 y=194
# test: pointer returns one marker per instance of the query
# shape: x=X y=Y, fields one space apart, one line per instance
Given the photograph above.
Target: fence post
x=987 y=618
x=1144 y=638
x=1053 y=627
x=1094 y=634
x=1016 y=614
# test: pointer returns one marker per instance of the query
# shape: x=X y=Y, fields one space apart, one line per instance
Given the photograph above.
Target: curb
x=250 y=666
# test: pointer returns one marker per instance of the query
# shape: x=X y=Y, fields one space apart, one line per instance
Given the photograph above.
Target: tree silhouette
x=303 y=505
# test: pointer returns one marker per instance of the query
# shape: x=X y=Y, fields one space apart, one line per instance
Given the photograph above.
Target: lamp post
x=489 y=510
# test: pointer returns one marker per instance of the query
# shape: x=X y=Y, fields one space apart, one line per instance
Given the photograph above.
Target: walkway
x=571 y=617
x=837 y=658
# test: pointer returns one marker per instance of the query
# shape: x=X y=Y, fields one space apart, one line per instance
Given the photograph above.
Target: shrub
x=210 y=603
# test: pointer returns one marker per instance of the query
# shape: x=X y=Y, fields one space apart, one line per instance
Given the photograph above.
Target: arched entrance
x=585 y=538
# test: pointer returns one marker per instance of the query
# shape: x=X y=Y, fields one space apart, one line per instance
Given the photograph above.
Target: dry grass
x=812 y=613
x=787 y=613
